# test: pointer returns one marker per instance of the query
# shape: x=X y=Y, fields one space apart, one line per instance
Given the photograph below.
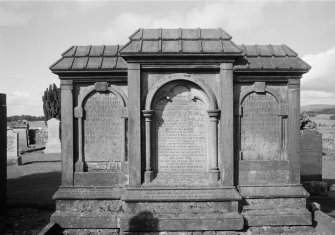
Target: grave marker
x=53 y=145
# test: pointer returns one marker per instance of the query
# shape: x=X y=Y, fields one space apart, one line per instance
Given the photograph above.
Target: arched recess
x=165 y=89
x=260 y=88
x=79 y=113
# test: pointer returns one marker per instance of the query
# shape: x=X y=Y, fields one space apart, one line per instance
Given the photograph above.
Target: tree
x=306 y=123
x=51 y=103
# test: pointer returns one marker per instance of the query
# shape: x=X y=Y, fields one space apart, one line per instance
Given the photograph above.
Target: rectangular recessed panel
x=170 y=46
x=150 y=46
x=82 y=50
x=190 y=34
x=212 y=46
x=210 y=33
x=151 y=33
x=110 y=50
x=96 y=50
x=170 y=33
x=79 y=63
x=65 y=63
x=191 y=46
x=108 y=63
x=94 y=63
x=265 y=50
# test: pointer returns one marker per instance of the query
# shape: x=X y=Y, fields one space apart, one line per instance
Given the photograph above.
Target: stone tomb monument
x=12 y=146
x=53 y=145
x=180 y=130
x=21 y=127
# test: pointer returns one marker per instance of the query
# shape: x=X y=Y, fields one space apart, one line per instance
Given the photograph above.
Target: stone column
x=134 y=124
x=294 y=129
x=214 y=172
x=67 y=131
x=148 y=174
x=78 y=113
x=227 y=117
x=3 y=159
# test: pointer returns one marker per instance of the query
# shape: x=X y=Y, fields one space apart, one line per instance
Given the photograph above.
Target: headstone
x=22 y=128
x=53 y=145
x=3 y=163
x=311 y=155
x=12 y=146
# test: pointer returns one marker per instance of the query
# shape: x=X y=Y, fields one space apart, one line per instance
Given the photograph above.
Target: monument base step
x=288 y=217
x=184 y=222
x=85 y=220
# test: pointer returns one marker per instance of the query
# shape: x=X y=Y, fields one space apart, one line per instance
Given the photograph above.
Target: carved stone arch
x=213 y=104
x=102 y=86
x=197 y=91
x=79 y=114
x=252 y=89
x=260 y=88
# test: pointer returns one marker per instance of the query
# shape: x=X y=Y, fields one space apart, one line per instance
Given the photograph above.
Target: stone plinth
x=53 y=145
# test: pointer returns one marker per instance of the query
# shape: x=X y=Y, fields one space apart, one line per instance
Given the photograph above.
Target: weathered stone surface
x=89 y=206
x=12 y=146
x=103 y=128
x=181 y=127
x=217 y=194
x=53 y=145
x=325 y=224
x=97 y=193
x=146 y=222
x=311 y=155
x=85 y=220
x=100 y=179
x=3 y=163
x=285 y=217
x=259 y=127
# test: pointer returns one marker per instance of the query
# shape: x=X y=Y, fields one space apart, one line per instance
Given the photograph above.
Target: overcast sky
x=33 y=35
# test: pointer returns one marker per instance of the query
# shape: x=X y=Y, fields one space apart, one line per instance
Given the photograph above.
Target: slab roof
x=78 y=58
x=180 y=41
x=270 y=58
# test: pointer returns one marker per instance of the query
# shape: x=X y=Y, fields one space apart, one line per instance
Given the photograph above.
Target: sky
x=33 y=34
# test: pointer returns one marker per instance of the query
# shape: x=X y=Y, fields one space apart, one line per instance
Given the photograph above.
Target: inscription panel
x=181 y=127
x=103 y=127
x=260 y=135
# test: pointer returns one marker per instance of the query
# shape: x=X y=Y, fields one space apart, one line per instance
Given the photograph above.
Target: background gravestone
x=21 y=127
x=53 y=145
x=311 y=155
x=12 y=146
x=3 y=165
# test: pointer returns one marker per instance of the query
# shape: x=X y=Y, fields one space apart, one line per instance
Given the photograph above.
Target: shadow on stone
x=143 y=222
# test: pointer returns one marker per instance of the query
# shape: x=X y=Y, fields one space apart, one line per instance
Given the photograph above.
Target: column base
x=148 y=176
x=80 y=166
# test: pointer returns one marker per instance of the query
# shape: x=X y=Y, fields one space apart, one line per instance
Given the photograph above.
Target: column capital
x=133 y=66
x=66 y=84
x=148 y=113
x=215 y=113
x=293 y=83
x=226 y=66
